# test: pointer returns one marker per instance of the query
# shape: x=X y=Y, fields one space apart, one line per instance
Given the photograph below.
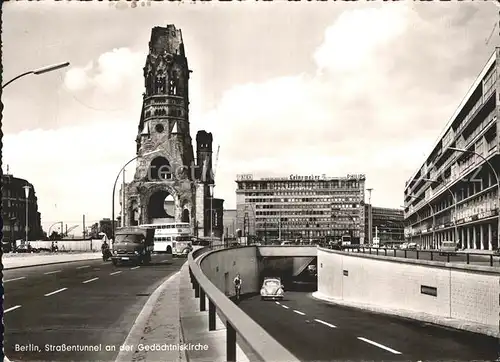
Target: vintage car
x=272 y=289
x=448 y=248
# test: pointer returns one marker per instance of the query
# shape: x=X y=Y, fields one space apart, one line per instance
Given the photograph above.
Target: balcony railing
x=238 y=324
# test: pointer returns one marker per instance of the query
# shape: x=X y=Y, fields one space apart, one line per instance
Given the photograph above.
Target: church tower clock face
x=159 y=128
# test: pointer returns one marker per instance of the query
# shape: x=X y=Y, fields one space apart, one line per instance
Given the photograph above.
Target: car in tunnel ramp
x=272 y=288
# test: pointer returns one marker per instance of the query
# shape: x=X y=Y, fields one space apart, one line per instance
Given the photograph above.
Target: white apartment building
x=454 y=194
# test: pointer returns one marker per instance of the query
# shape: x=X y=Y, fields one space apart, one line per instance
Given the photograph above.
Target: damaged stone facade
x=166 y=163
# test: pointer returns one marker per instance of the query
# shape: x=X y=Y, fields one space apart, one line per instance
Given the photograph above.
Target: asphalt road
x=317 y=331
x=82 y=304
x=483 y=260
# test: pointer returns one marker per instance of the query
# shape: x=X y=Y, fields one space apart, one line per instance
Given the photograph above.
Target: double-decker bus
x=346 y=240
x=172 y=238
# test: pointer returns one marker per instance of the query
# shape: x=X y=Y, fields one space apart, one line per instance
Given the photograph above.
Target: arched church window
x=160 y=169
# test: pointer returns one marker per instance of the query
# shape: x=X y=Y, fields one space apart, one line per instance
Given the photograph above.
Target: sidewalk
x=476 y=251
x=194 y=326
x=490 y=330
x=171 y=322
x=27 y=260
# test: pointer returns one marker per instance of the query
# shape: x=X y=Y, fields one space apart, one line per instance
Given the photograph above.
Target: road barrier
x=416 y=254
x=238 y=324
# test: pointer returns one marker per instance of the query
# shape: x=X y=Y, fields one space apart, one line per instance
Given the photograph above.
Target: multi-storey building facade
x=301 y=207
x=454 y=194
x=166 y=164
x=230 y=223
x=387 y=224
x=14 y=210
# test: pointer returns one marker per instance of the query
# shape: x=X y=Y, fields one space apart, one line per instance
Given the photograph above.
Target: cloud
x=369 y=107
x=81 y=163
x=76 y=78
x=114 y=71
x=350 y=43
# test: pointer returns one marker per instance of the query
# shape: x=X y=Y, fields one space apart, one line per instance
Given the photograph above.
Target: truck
x=133 y=244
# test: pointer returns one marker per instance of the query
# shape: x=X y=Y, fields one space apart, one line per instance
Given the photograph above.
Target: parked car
x=272 y=289
x=448 y=248
x=409 y=246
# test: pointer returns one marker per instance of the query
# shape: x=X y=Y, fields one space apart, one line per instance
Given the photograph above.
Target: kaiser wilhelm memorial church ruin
x=170 y=184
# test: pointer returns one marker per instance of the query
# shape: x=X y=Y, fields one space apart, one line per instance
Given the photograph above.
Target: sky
x=330 y=88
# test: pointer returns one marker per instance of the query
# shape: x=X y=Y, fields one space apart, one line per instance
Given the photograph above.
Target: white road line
x=90 y=280
x=82 y=267
x=55 y=292
x=299 y=312
x=278 y=303
x=135 y=267
x=114 y=273
x=52 y=272
x=284 y=306
x=11 y=280
x=325 y=323
x=379 y=345
x=12 y=308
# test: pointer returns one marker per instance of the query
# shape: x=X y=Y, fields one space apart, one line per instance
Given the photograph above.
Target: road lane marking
x=90 y=280
x=12 y=308
x=379 y=345
x=299 y=312
x=135 y=267
x=55 y=292
x=284 y=306
x=52 y=272
x=114 y=273
x=278 y=303
x=325 y=323
x=83 y=267
x=11 y=280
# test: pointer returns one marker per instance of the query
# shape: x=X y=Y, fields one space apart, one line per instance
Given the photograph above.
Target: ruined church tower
x=166 y=167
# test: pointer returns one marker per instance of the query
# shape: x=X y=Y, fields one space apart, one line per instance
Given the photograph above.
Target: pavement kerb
x=412 y=316
x=137 y=331
x=51 y=263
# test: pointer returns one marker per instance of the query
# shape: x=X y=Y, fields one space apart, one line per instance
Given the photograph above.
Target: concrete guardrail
x=262 y=345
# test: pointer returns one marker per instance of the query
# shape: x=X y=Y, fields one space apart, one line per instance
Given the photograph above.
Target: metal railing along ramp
x=262 y=345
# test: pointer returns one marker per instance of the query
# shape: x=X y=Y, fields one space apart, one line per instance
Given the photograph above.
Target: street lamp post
x=211 y=186
x=454 y=202
x=498 y=185
x=27 y=194
x=43 y=70
x=114 y=190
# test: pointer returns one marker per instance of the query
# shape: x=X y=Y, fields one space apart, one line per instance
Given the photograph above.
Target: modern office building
x=454 y=194
x=230 y=223
x=387 y=224
x=301 y=207
x=14 y=211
